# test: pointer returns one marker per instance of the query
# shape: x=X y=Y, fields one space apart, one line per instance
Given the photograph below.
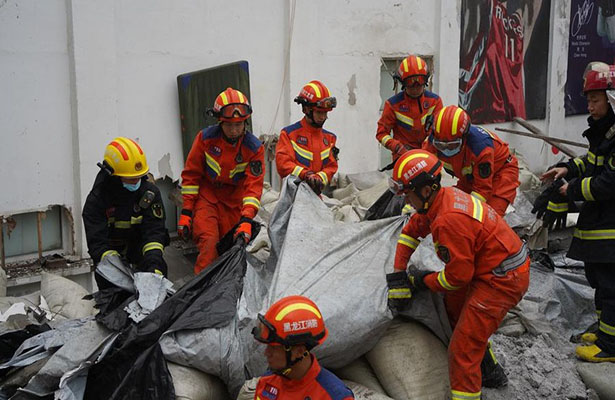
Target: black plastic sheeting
x=10 y=342
x=135 y=367
x=387 y=205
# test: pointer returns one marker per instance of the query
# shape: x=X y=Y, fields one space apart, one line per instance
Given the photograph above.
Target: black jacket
x=592 y=180
x=116 y=219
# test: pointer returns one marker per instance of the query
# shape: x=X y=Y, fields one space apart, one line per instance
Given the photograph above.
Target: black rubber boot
x=491 y=370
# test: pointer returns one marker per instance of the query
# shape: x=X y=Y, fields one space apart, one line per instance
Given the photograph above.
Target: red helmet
x=412 y=70
x=316 y=94
x=231 y=106
x=291 y=321
x=598 y=76
x=413 y=170
x=451 y=124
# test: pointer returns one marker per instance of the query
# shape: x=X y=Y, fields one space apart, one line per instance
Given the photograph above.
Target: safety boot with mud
x=593 y=353
x=493 y=374
x=588 y=336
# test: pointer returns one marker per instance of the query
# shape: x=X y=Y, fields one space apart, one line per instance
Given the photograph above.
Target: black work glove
x=154 y=262
x=542 y=201
x=315 y=182
x=417 y=278
x=399 y=291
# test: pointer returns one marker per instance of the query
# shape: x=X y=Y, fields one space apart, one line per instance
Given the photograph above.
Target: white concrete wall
x=76 y=73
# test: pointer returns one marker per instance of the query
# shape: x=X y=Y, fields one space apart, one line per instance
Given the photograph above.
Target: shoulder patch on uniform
x=329 y=133
x=610 y=133
x=292 y=127
x=256 y=167
x=431 y=95
x=397 y=98
x=211 y=132
x=611 y=162
x=484 y=170
x=251 y=142
x=443 y=253
x=478 y=139
x=158 y=210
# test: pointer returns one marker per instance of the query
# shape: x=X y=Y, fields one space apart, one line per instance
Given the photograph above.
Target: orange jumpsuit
x=486 y=273
x=485 y=168
x=221 y=182
x=318 y=384
x=304 y=148
x=407 y=118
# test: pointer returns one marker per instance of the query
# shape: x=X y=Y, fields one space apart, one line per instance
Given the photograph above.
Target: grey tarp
x=340 y=266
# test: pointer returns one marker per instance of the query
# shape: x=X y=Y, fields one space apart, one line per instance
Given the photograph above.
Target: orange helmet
x=291 y=321
x=231 y=106
x=451 y=124
x=413 y=170
x=598 y=76
x=413 y=70
x=316 y=94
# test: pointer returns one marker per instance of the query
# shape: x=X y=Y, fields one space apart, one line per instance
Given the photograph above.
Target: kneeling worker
x=291 y=328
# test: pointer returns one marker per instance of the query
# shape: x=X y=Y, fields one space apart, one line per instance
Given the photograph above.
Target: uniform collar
x=432 y=211
x=307 y=126
x=308 y=378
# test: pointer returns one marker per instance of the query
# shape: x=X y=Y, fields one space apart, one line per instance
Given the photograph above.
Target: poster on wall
x=503 y=59
x=592 y=38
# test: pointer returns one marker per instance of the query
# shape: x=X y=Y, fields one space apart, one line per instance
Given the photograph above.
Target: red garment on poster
x=491 y=74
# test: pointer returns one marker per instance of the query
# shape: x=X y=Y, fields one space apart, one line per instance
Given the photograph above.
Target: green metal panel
x=198 y=91
x=24 y=237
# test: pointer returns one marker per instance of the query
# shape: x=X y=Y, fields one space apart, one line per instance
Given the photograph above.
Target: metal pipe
x=537 y=131
x=536 y=136
x=39 y=231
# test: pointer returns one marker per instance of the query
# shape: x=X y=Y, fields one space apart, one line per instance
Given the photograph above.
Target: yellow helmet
x=126 y=158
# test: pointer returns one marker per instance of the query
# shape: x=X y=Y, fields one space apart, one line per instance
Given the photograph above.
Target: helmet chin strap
x=285 y=371
x=311 y=120
x=425 y=200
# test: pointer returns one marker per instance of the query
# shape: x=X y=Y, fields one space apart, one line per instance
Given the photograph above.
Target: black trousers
x=601 y=276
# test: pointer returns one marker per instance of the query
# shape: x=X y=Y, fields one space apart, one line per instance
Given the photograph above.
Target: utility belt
x=512 y=262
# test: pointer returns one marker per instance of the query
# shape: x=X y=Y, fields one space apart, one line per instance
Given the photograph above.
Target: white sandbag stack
x=410 y=362
x=192 y=384
x=248 y=389
x=364 y=393
x=361 y=372
x=65 y=297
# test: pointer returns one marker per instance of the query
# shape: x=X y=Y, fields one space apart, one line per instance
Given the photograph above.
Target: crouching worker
x=291 y=328
x=222 y=180
x=486 y=268
x=123 y=214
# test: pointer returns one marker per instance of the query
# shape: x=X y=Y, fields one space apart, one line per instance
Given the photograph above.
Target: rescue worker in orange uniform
x=291 y=328
x=222 y=180
x=410 y=113
x=486 y=268
x=123 y=214
x=591 y=179
x=479 y=159
x=305 y=149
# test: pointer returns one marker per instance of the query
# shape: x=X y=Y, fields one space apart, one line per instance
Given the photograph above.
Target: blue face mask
x=132 y=187
x=450 y=153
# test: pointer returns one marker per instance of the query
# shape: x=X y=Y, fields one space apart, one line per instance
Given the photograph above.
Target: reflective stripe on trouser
x=475 y=312
x=601 y=276
x=210 y=222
